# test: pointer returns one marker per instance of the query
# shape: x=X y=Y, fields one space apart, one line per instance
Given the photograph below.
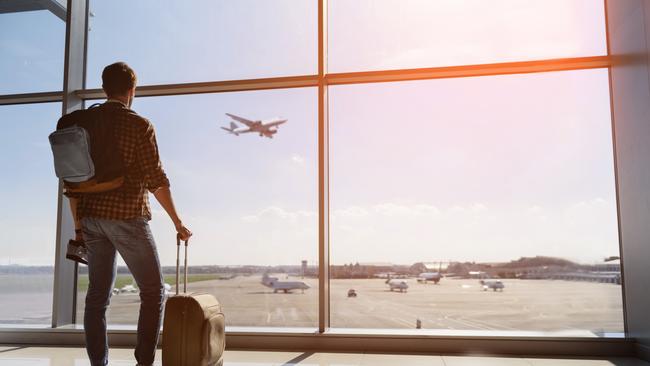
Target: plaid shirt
x=136 y=139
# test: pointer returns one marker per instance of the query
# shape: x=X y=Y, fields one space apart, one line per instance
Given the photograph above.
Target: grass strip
x=123 y=280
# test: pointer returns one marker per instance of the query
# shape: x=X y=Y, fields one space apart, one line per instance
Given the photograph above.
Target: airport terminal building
x=368 y=182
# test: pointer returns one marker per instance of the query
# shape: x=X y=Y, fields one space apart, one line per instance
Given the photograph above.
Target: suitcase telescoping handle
x=178 y=263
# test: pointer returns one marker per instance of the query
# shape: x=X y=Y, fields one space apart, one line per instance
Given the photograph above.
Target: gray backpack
x=71 y=150
x=85 y=151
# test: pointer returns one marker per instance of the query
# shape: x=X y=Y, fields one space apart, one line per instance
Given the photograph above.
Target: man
x=117 y=221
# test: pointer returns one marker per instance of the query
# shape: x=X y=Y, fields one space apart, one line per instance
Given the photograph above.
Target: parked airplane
x=226 y=276
x=429 y=276
x=400 y=285
x=286 y=286
x=264 y=128
x=129 y=289
x=492 y=284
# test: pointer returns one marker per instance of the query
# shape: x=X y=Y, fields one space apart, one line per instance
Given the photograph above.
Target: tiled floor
x=41 y=356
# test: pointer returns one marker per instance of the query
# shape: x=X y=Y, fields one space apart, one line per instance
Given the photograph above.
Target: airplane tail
x=231 y=129
x=267 y=280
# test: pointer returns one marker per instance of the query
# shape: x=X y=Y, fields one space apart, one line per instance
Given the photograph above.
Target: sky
x=485 y=169
x=388 y=34
x=473 y=169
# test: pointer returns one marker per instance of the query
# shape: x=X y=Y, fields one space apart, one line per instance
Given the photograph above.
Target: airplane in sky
x=266 y=128
x=285 y=286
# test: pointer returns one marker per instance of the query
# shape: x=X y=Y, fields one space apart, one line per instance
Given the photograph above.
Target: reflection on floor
x=42 y=356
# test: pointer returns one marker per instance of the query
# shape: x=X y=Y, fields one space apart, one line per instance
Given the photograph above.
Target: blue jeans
x=135 y=243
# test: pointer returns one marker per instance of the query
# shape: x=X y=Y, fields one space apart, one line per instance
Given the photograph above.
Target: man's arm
x=77 y=223
x=164 y=197
x=155 y=178
x=73 y=208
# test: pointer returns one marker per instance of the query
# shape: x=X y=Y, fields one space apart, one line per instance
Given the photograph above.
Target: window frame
x=74 y=94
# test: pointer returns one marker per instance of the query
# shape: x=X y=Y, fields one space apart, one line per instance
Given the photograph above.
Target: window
x=28 y=194
x=461 y=204
x=32 y=56
x=501 y=178
x=250 y=200
x=173 y=42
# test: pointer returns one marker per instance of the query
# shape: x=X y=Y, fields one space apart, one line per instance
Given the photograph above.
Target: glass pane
x=391 y=34
x=173 y=42
x=28 y=192
x=251 y=202
x=32 y=45
x=507 y=180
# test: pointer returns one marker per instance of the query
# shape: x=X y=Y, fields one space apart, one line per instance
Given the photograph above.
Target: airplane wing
x=275 y=123
x=245 y=121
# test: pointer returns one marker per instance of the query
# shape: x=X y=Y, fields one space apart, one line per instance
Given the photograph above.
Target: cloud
x=277 y=213
x=351 y=211
x=473 y=208
x=393 y=209
x=250 y=218
x=534 y=209
x=478 y=207
x=297 y=159
x=405 y=232
x=591 y=212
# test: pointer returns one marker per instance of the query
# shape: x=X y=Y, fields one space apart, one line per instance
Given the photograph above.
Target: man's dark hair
x=118 y=78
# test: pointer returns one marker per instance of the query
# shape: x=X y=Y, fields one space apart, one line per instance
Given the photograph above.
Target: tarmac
x=454 y=304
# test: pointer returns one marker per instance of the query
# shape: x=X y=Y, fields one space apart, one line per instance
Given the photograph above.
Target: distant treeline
x=239 y=270
x=524 y=267
x=538 y=267
x=18 y=269
x=311 y=271
x=356 y=270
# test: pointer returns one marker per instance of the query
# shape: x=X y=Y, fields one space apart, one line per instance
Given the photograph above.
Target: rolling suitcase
x=193 y=327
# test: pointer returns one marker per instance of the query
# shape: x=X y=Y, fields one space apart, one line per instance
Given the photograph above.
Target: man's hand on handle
x=78 y=234
x=183 y=232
